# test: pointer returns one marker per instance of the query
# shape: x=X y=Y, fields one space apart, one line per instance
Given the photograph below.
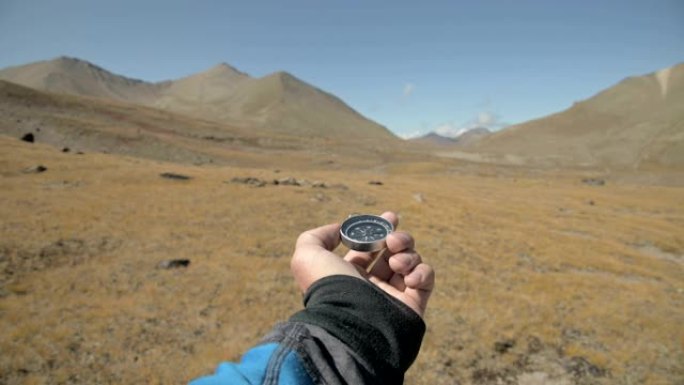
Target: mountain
x=472 y=136
x=433 y=139
x=637 y=123
x=277 y=103
x=466 y=139
x=78 y=77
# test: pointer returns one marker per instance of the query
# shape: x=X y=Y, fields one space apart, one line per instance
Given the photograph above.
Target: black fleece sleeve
x=384 y=332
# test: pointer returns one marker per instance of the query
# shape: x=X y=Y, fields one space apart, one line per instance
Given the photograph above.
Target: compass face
x=365 y=232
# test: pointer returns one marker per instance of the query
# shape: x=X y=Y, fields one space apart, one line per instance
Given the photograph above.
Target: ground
x=541 y=278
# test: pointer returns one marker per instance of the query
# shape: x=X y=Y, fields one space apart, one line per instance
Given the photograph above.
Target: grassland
x=540 y=278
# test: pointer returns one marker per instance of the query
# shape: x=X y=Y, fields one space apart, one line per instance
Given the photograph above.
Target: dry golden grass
x=561 y=268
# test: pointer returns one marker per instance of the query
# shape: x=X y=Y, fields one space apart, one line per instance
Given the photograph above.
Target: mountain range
x=277 y=103
x=637 y=123
x=465 y=139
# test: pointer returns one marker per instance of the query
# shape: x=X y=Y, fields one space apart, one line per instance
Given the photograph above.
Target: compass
x=365 y=232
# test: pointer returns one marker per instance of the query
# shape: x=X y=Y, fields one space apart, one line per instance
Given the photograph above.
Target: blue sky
x=411 y=66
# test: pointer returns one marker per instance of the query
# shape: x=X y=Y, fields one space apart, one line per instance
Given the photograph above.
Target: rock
x=28 y=138
x=375 y=183
x=317 y=184
x=37 y=169
x=170 y=175
x=594 y=181
x=580 y=367
x=339 y=186
x=534 y=345
x=418 y=197
x=249 y=180
x=66 y=149
x=173 y=263
x=502 y=347
x=290 y=181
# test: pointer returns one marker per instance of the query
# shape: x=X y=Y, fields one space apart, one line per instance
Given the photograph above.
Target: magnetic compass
x=365 y=232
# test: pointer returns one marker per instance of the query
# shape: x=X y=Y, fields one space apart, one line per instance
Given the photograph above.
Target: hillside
x=278 y=103
x=86 y=124
x=638 y=123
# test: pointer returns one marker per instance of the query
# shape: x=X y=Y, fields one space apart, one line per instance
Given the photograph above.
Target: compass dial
x=365 y=232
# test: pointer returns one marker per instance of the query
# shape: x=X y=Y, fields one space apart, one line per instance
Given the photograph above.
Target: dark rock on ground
x=28 y=138
x=375 y=183
x=66 y=149
x=37 y=169
x=256 y=182
x=502 y=347
x=173 y=263
x=579 y=367
x=594 y=181
x=170 y=175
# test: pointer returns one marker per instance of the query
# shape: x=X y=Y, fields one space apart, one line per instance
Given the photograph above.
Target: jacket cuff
x=384 y=331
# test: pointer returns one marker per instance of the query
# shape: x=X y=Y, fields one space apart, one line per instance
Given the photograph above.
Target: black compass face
x=365 y=232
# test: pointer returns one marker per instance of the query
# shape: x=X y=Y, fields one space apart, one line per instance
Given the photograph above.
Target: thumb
x=313 y=258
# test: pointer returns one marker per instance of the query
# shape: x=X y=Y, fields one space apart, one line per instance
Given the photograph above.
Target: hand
x=400 y=271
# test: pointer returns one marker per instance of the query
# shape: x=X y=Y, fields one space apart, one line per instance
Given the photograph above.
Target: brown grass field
x=541 y=279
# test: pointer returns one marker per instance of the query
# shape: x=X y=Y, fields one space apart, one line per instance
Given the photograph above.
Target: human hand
x=399 y=271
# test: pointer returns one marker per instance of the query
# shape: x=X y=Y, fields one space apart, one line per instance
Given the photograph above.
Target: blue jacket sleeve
x=267 y=364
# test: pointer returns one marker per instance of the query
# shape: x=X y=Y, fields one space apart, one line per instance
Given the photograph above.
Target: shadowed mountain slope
x=637 y=123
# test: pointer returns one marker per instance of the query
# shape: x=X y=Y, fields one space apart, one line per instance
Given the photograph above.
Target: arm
x=357 y=327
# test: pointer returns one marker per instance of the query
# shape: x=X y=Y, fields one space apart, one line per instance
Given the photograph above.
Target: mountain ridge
x=278 y=102
x=635 y=123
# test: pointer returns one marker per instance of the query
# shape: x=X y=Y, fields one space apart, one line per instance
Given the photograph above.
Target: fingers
x=395 y=261
x=419 y=286
x=313 y=258
x=363 y=260
x=400 y=241
x=404 y=263
x=421 y=278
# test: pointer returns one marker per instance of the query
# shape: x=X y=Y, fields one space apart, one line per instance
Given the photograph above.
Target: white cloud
x=450 y=130
x=408 y=89
x=411 y=135
x=486 y=119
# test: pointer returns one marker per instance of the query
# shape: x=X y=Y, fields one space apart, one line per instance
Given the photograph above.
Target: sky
x=414 y=67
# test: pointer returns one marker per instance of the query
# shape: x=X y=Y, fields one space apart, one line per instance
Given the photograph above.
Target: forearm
x=349 y=332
